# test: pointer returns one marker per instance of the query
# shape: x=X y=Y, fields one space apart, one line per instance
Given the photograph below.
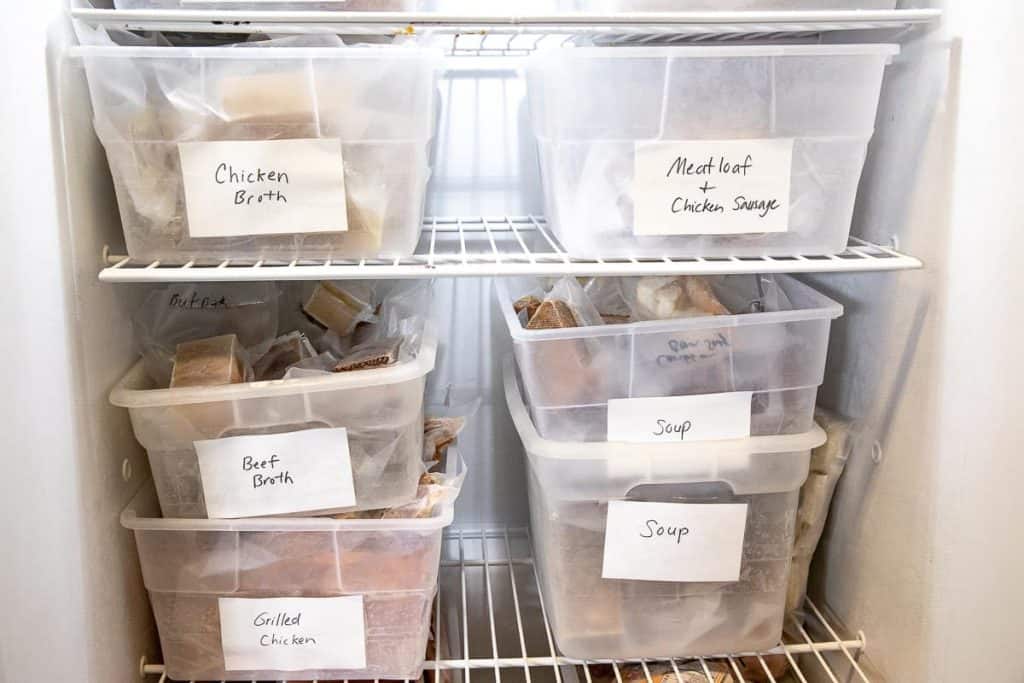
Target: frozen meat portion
x=209 y=362
x=664 y=298
x=374 y=354
x=339 y=308
x=284 y=352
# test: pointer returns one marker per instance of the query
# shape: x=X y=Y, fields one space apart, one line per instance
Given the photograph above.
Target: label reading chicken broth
x=292 y=634
x=674 y=541
x=707 y=187
x=263 y=187
x=276 y=474
x=704 y=417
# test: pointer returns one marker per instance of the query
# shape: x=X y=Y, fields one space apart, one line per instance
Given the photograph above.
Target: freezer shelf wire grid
x=491 y=627
x=621 y=26
x=508 y=245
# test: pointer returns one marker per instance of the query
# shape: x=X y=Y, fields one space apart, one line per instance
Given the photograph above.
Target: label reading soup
x=292 y=634
x=276 y=474
x=263 y=187
x=702 y=417
x=706 y=187
x=674 y=541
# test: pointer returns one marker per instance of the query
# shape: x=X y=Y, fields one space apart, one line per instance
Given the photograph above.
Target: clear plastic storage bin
x=570 y=488
x=294 y=5
x=381 y=410
x=612 y=6
x=779 y=355
x=611 y=123
x=270 y=152
x=188 y=566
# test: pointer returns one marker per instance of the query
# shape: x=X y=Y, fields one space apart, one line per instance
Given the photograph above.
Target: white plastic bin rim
x=129 y=392
x=429 y=56
x=142 y=514
x=823 y=307
x=538 y=447
x=718 y=51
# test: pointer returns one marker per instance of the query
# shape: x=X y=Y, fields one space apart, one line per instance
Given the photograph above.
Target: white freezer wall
x=922 y=550
x=42 y=634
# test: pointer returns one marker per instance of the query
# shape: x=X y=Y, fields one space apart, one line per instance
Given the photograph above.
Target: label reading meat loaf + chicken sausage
x=263 y=187
x=674 y=541
x=292 y=634
x=708 y=187
x=276 y=474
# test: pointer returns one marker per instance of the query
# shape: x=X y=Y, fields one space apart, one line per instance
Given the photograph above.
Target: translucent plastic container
x=381 y=409
x=570 y=487
x=373 y=106
x=570 y=374
x=611 y=6
x=187 y=565
x=296 y=5
x=597 y=111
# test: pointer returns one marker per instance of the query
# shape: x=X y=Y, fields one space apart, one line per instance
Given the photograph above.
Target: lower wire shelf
x=490 y=625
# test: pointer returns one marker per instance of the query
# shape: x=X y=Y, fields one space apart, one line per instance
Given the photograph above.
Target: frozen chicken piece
x=664 y=298
x=268 y=97
x=284 y=352
x=338 y=309
x=375 y=354
x=208 y=362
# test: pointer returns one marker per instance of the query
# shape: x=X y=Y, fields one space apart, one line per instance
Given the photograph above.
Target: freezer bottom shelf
x=492 y=628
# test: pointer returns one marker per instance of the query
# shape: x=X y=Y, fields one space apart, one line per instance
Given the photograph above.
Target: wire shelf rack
x=491 y=627
x=736 y=24
x=509 y=245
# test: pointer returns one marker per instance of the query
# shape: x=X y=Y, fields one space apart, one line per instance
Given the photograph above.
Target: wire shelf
x=510 y=245
x=734 y=25
x=491 y=627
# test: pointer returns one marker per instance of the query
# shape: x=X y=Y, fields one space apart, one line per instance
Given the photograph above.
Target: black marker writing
x=666 y=427
x=654 y=529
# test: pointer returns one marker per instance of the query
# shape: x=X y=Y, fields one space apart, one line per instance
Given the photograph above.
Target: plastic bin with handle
x=374 y=415
x=620 y=578
x=706 y=151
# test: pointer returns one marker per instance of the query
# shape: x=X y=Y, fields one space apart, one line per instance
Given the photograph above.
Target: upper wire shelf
x=508 y=245
x=491 y=626
x=644 y=26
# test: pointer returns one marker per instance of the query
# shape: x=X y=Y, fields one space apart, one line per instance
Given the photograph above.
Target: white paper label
x=703 y=417
x=292 y=634
x=704 y=187
x=276 y=474
x=674 y=541
x=263 y=187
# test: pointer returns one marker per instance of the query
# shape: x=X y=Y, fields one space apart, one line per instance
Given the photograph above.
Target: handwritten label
x=705 y=187
x=702 y=417
x=263 y=187
x=276 y=474
x=292 y=634
x=687 y=351
x=674 y=541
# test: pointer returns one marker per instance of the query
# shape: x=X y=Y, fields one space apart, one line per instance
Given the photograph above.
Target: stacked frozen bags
x=667 y=424
x=303 y=495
